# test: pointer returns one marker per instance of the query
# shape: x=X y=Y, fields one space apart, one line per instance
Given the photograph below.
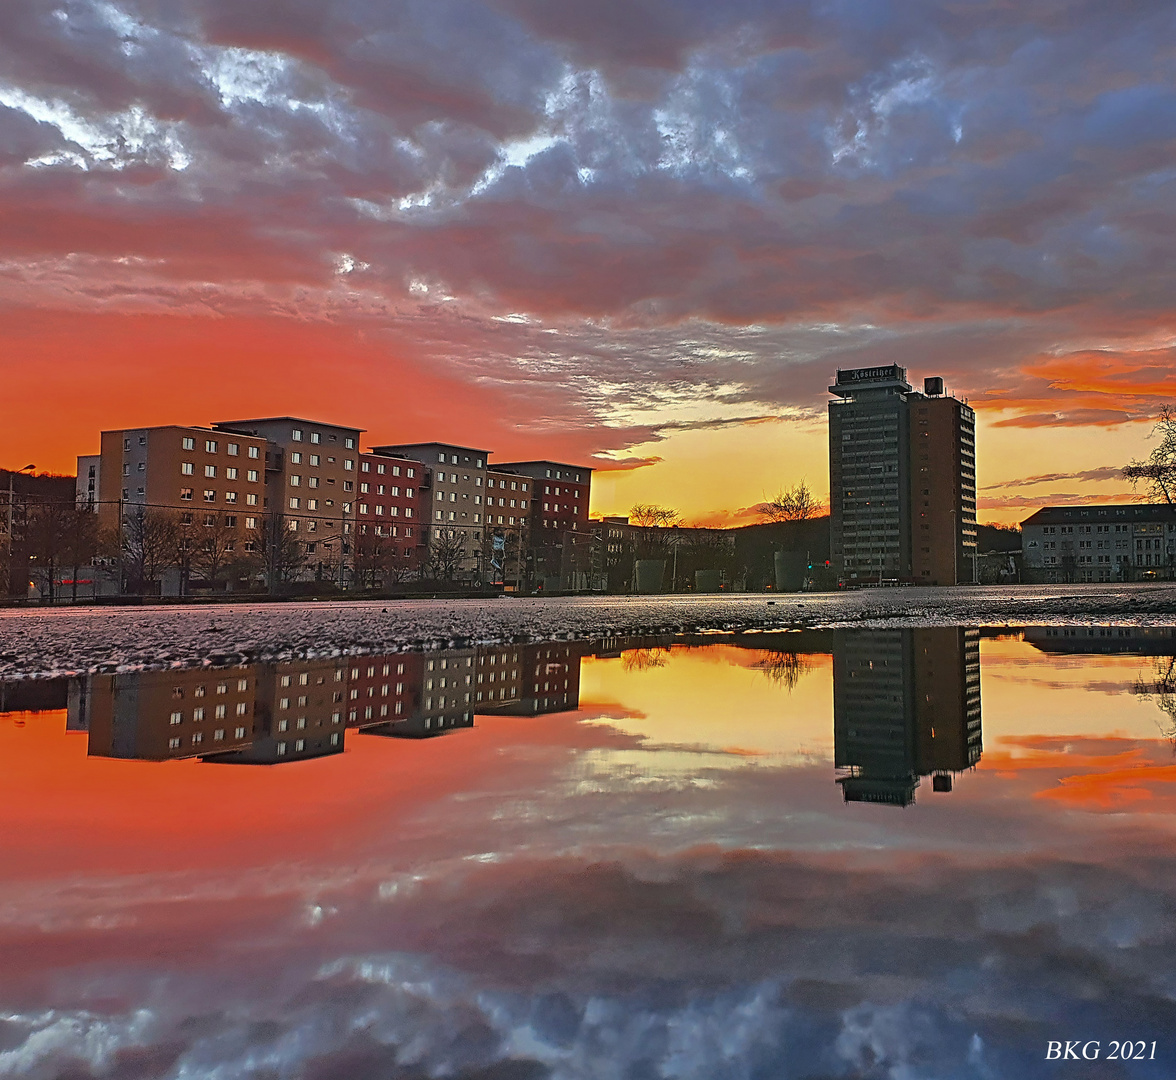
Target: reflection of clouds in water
x=703 y=966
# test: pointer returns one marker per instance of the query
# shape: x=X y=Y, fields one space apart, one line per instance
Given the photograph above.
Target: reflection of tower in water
x=906 y=704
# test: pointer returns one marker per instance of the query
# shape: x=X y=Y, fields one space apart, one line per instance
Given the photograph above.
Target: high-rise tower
x=902 y=479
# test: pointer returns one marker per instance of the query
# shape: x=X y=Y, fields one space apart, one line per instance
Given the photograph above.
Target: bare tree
x=447 y=551
x=796 y=503
x=644 y=659
x=1162 y=687
x=279 y=549
x=1158 y=473
x=147 y=545
x=47 y=534
x=215 y=549
x=785 y=668
x=652 y=516
x=82 y=542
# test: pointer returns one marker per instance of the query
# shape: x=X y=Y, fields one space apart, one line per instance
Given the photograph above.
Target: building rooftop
x=394 y=447
x=884 y=377
x=1068 y=515
x=286 y=419
x=544 y=461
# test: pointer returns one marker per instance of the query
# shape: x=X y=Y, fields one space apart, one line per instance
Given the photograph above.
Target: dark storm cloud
x=982 y=189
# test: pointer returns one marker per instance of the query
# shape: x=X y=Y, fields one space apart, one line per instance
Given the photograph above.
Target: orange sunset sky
x=640 y=235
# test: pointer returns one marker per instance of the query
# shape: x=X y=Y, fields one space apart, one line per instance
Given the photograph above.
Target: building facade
x=906 y=704
x=452 y=507
x=389 y=540
x=311 y=482
x=902 y=480
x=557 y=513
x=1117 y=542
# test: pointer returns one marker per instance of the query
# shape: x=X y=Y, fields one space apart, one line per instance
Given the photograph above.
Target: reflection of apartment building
x=311 y=474
x=1132 y=542
x=446 y=697
x=453 y=508
x=300 y=706
x=206 y=477
x=902 y=479
x=1132 y=640
x=381 y=689
x=550 y=680
x=165 y=715
x=500 y=677
x=906 y=704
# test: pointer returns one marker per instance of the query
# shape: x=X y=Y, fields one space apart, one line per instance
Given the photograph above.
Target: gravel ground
x=60 y=641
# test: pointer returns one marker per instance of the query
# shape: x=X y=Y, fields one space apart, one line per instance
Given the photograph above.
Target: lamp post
x=11 y=497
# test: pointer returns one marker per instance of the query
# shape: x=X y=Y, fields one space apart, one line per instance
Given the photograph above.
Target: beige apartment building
x=209 y=477
x=453 y=508
x=311 y=481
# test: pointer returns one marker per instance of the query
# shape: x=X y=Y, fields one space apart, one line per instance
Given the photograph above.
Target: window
x=173 y=744
x=242 y=708
x=177 y=718
x=315 y=437
x=299 y=744
x=187 y=443
x=251 y=476
x=197 y=737
x=210 y=471
x=232 y=449
x=363 y=508
x=381 y=470
x=364 y=487
x=348 y=485
x=296 y=435
x=314 y=460
x=210 y=446
x=349 y=443
x=348 y=464
x=209 y=495
x=410 y=472
x=231 y=473
x=254 y=451
x=312 y=481
x=312 y=504
x=295 y=457
x=295 y=480
x=209 y=520
x=187 y=468
x=295 y=503
x=251 y=499
x=218 y=735
x=127 y=446
x=281 y=749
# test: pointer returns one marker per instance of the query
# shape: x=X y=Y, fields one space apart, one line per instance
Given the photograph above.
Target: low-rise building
x=1116 y=542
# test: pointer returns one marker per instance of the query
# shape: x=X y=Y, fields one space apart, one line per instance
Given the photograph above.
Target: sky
x=635 y=234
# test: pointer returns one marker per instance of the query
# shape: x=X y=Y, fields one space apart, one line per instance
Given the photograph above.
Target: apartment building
x=906 y=704
x=88 y=490
x=1124 y=542
x=311 y=481
x=558 y=505
x=548 y=680
x=452 y=506
x=169 y=715
x=902 y=479
x=208 y=476
x=388 y=519
x=499 y=677
x=300 y=705
x=382 y=689
x=507 y=528
x=446 y=699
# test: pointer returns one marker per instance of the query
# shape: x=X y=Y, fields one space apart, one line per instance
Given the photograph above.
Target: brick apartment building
x=558 y=510
x=390 y=533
